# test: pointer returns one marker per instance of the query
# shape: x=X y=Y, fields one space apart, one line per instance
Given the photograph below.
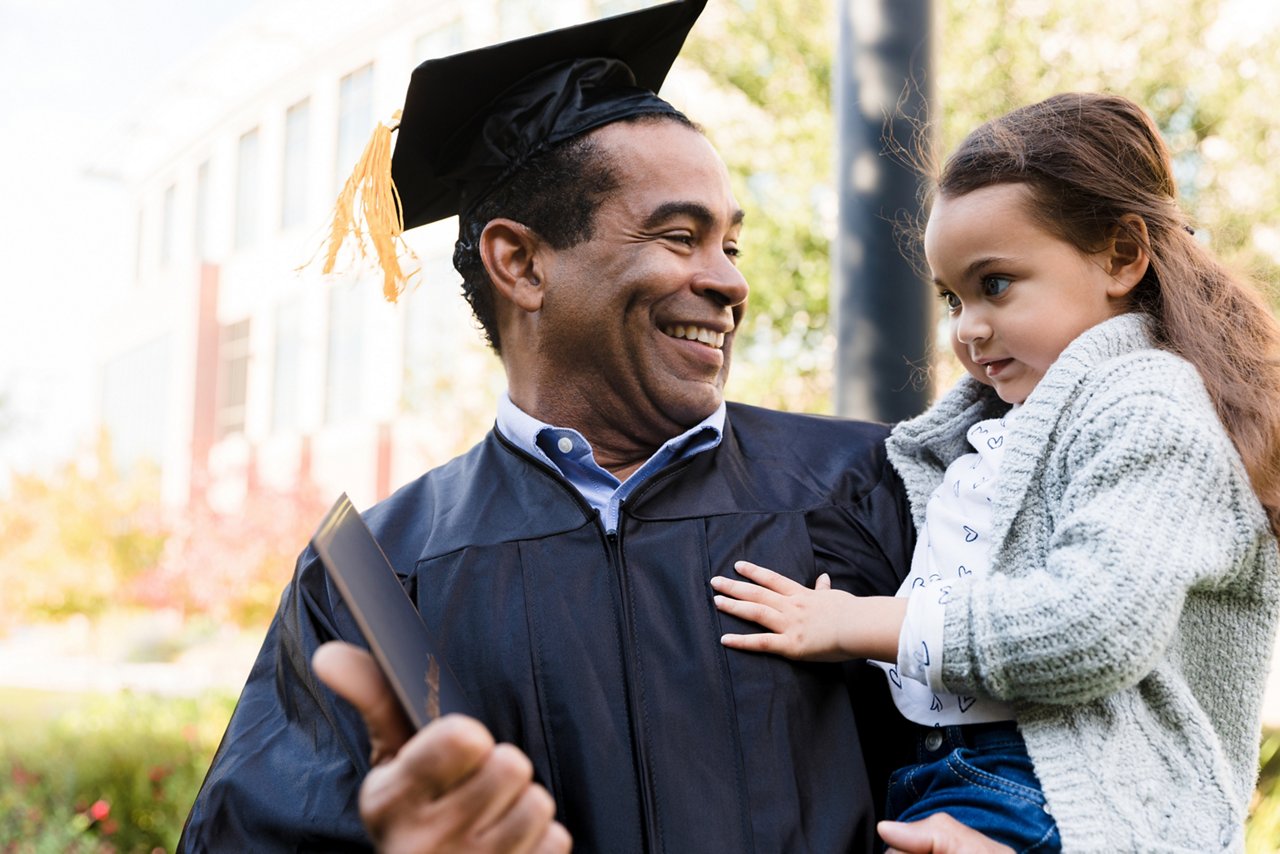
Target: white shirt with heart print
x=954 y=543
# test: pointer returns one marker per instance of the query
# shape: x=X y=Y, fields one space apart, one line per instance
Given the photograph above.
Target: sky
x=73 y=70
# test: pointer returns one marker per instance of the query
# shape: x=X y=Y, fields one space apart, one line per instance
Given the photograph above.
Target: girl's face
x=1016 y=294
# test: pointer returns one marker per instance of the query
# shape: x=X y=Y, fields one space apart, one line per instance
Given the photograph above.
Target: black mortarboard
x=472 y=119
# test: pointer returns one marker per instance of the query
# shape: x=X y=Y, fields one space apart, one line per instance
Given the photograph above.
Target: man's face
x=637 y=323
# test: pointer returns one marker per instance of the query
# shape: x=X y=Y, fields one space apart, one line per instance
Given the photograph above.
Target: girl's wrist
x=874 y=634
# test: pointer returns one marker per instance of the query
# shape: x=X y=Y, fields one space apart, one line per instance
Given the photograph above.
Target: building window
x=135 y=389
x=233 y=377
x=167 y=225
x=355 y=119
x=293 y=192
x=431 y=341
x=442 y=41
x=138 y=233
x=609 y=8
x=518 y=18
x=288 y=365
x=247 y=190
x=346 y=354
x=200 y=222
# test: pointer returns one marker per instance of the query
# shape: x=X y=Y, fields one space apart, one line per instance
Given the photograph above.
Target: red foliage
x=231 y=567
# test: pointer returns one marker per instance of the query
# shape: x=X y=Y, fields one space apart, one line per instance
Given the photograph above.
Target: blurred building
x=221 y=362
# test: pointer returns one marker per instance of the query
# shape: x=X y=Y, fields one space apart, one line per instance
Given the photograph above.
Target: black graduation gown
x=599 y=655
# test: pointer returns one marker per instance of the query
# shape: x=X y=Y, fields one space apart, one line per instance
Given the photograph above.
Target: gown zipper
x=648 y=808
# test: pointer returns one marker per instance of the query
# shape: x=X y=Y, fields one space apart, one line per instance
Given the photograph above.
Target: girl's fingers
x=751 y=611
x=823 y=582
x=745 y=590
x=768 y=579
x=761 y=642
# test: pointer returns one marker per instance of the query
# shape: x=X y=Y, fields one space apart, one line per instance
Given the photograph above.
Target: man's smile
x=701 y=334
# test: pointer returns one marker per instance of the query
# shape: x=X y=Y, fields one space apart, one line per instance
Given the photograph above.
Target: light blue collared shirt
x=565 y=450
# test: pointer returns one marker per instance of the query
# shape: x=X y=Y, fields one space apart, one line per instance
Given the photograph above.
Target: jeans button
x=933 y=740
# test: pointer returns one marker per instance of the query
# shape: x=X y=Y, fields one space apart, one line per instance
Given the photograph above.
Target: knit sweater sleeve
x=1152 y=493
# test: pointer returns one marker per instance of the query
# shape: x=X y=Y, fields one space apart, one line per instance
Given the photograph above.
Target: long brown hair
x=1091 y=159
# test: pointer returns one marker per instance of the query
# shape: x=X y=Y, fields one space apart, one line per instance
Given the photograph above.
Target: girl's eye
x=994 y=286
x=950 y=300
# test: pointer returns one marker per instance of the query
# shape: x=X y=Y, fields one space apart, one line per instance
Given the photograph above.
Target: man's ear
x=1125 y=259
x=509 y=252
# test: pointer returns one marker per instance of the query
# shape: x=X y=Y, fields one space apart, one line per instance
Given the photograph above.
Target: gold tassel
x=380 y=218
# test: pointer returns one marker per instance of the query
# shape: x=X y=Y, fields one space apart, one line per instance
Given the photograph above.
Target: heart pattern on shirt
x=960 y=525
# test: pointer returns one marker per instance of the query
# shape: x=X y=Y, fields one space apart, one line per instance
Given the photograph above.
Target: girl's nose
x=972 y=326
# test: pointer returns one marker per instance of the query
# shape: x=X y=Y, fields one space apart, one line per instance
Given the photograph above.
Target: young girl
x=1096 y=502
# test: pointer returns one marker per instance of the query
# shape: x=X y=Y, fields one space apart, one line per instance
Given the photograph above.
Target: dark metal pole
x=882 y=308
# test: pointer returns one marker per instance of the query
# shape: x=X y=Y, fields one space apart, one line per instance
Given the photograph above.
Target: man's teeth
x=697 y=333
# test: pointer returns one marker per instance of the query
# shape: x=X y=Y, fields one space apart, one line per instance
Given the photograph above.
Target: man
x=564 y=562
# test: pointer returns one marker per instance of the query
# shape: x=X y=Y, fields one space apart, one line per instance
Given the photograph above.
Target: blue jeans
x=981 y=775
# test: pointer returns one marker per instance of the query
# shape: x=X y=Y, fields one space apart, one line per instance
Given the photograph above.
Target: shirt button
x=565 y=444
x=933 y=741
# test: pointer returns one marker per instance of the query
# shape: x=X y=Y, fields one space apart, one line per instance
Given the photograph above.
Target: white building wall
x=284 y=53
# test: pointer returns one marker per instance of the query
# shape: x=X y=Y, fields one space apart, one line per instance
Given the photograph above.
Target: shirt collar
x=529 y=434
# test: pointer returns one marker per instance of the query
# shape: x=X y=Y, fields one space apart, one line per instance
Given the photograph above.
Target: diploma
x=409 y=656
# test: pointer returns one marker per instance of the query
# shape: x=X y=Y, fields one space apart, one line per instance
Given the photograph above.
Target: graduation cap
x=471 y=120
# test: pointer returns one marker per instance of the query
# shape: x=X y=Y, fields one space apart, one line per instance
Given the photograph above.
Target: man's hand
x=448 y=788
x=937 y=834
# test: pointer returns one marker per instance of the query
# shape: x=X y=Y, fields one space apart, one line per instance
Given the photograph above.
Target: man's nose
x=723 y=282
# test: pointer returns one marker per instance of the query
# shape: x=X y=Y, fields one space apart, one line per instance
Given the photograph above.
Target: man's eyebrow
x=696 y=211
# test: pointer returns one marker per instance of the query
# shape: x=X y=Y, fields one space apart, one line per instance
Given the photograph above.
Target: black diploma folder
x=406 y=651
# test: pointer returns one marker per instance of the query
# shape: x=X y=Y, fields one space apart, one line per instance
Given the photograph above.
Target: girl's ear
x=509 y=250
x=1125 y=259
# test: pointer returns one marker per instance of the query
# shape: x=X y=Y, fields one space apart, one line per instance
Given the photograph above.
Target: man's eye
x=681 y=237
x=733 y=252
x=994 y=286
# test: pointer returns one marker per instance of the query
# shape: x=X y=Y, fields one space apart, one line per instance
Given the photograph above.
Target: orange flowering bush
x=72 y=538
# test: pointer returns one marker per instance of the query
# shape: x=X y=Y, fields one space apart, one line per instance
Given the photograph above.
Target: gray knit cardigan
x=1133 y=595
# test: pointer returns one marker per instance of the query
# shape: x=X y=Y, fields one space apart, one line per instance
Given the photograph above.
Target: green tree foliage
x=773 y=58
x=109 y=775
x=1204 y=69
